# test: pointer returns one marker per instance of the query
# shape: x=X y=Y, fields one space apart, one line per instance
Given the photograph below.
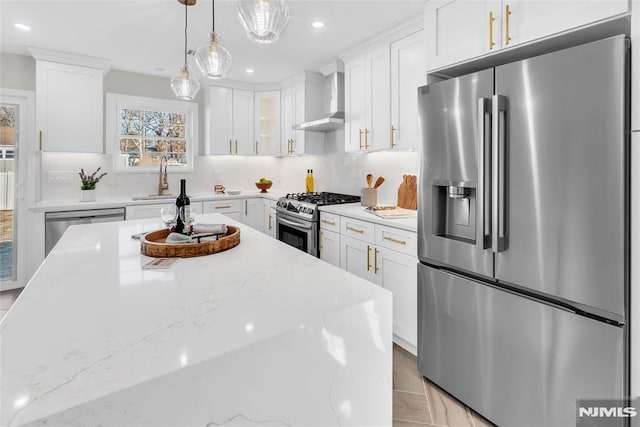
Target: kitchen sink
x=155 y=197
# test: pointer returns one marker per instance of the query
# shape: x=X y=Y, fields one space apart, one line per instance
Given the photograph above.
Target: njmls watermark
x=605 y=413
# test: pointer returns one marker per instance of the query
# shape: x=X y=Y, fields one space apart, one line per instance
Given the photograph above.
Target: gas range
x=305 y=205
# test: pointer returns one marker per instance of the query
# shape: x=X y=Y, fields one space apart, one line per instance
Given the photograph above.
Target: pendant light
x=184 y=85
x=263 y=20
x=213 y=59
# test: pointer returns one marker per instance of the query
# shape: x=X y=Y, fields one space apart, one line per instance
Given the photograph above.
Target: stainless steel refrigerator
x=523 y=231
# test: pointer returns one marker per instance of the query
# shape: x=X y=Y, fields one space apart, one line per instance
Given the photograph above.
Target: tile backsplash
x=334 y=171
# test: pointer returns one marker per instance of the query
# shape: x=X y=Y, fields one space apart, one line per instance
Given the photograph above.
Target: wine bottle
x=183 y=208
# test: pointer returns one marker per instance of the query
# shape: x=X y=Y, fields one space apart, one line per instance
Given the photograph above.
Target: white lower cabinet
x=153 y=211
x=230 y=208
x=252 y=213
x=269 y=217
x=385 y=256
x=330 y=247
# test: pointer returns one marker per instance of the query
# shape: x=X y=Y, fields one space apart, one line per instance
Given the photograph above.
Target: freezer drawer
x=514 y=360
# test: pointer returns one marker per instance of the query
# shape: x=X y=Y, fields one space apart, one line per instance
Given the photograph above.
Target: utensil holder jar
x=369 y=197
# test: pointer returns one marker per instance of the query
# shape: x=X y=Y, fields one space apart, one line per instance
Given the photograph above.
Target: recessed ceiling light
x=22 y=27
x=250 y=70
x=317 y=24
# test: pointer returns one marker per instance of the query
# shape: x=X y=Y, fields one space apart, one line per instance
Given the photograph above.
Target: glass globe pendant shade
x=213 y=59
x=184 y=85
x=263 y=20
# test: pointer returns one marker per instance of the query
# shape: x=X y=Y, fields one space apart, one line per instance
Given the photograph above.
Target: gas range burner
x=323 y=198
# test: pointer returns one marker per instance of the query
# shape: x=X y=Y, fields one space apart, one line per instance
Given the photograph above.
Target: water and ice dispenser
x=454 y=210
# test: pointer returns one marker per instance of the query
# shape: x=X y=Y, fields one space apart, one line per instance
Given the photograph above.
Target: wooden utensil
x=369 y=179
x=379 y=182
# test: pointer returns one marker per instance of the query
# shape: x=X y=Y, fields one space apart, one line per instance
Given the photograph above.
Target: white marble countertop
x=259 y=334
x=357 y=211
x=114 y=202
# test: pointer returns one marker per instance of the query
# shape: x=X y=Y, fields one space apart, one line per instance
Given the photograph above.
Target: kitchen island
x=261 y=334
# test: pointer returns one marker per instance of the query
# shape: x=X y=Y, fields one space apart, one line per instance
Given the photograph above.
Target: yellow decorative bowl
x=264 y=187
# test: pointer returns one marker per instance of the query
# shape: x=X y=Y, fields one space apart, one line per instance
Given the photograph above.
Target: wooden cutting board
x=408 y=192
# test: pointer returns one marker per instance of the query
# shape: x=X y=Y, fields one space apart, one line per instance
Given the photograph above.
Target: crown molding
x=70 y=59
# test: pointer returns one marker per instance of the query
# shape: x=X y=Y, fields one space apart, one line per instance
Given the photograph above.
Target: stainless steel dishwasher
x=57 y=222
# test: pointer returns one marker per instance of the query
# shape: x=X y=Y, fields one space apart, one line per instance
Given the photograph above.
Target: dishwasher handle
x=93 y=213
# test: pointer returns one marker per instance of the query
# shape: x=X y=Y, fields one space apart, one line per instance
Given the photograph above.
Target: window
x=140 y=131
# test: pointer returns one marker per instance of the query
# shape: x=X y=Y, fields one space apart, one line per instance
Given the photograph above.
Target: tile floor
x=416 y=401
x=419 y=403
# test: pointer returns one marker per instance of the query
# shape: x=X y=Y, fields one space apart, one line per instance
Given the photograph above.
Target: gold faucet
x=163 y=183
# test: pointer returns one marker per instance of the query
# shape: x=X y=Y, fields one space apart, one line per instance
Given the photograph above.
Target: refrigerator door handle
x=483 y=231
x=498 y=170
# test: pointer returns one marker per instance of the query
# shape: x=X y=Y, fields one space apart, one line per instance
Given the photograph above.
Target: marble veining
x=96 y=339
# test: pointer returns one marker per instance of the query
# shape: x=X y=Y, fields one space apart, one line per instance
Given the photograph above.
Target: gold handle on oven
x=391 y=239
x=368 y=257
x=375 y=261
x=355 y=229
x=491 y=19
x=507 y=13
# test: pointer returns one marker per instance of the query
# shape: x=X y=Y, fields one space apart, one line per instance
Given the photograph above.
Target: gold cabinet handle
x=375 y=261
x=230 y=147
x=270 y=225
x=355 y=229
x=326 y=221
x=393 y=130
x=236 y=146
x=507 y=13
x=491 y=19
x=391 y=239
x=320 y=239
x=293 y=146
x=256 y=148
x=222 y=207
x=360 y=139
x=366 y=139
x=368 y=257
x=246 y=206
x=40 y=141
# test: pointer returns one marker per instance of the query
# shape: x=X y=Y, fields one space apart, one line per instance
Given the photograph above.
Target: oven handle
x=293 y=224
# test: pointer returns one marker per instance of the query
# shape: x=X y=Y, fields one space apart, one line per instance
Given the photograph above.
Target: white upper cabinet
x=459 y=30
x=381 y=102
x=267 y=123
x=230 y=124
x=367 y=101
x=408 y=66
x=69 y=109
x=301 y=101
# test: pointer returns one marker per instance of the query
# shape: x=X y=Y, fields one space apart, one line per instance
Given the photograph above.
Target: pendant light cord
x=185 y=30
x=213 y=16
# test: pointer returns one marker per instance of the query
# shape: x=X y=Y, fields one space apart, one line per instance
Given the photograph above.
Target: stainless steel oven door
x=299 y=233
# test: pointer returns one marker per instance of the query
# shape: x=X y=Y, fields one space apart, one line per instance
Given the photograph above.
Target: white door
x=457 y=30
x=243 y=141
x=407 y=74
x=220 y=120
x=330 y=247
x=299 y=116
x=377 y=99
x=16 y=120
x=267 y=123
x=356 y=257
x=253 y=213
x=354 y=87
x=286 y=146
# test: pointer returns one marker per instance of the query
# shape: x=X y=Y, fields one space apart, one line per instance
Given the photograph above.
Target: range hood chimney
x=333 y=118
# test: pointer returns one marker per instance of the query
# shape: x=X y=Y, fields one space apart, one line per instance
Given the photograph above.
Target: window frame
x=116 y=102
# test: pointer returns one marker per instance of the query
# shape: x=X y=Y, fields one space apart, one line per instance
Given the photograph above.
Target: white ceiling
x=147 y=36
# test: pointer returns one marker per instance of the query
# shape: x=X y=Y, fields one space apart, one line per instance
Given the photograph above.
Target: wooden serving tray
x=153 y=244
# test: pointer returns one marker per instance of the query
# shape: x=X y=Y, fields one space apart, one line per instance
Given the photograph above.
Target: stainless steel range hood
x=333 y=119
